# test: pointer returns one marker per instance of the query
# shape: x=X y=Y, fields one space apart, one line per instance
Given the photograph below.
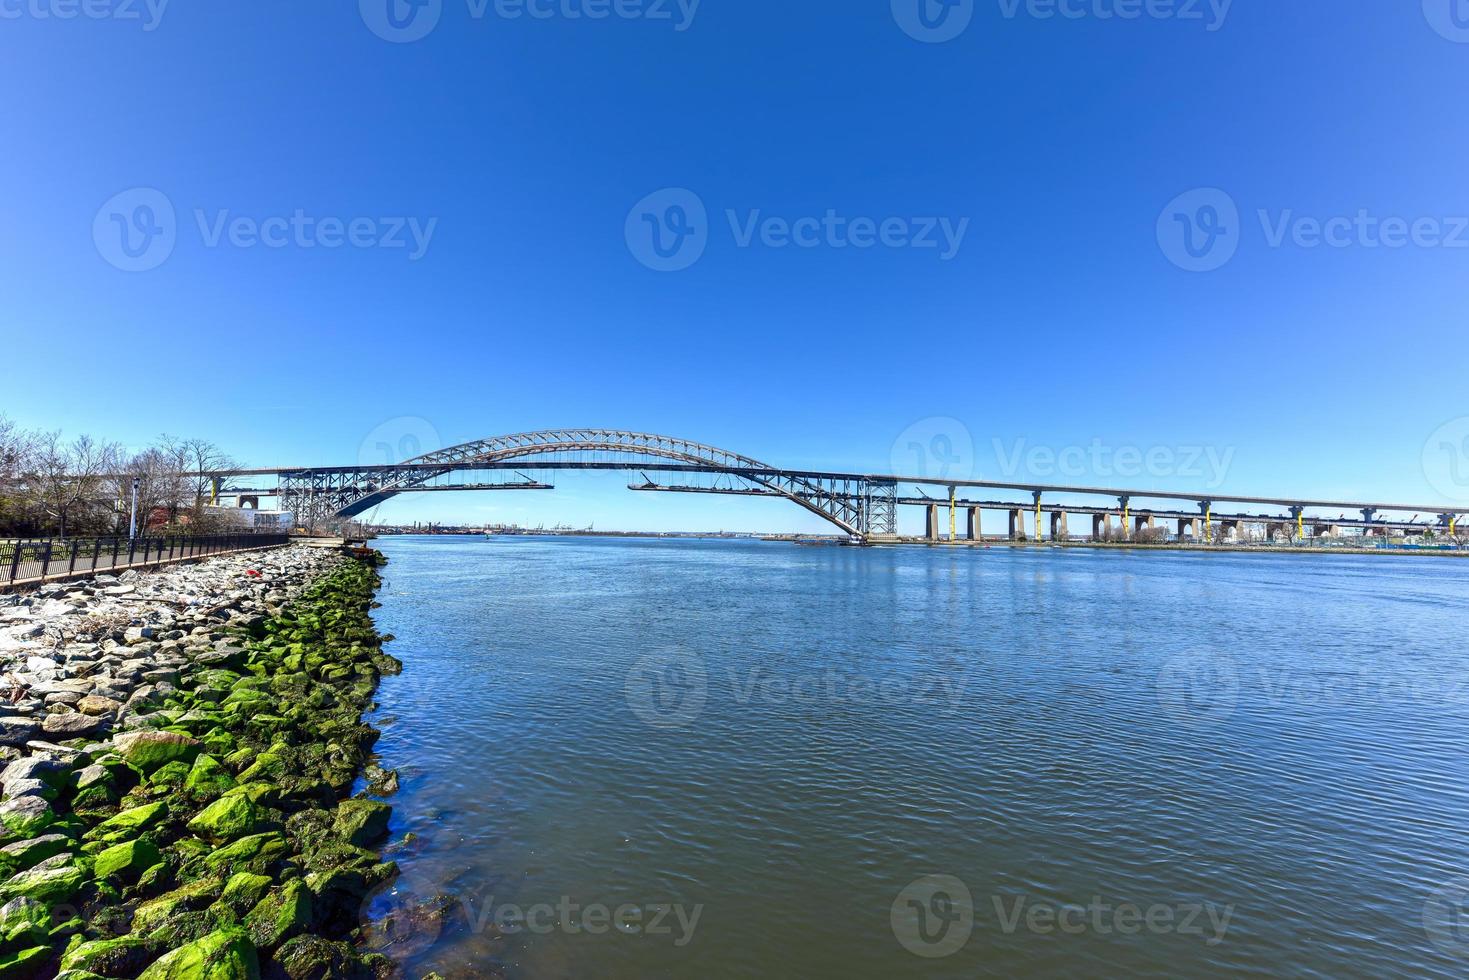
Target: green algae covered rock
x=44 y=884
x=170 y=774
x=30 y=852
x=127 y=860
x=251 y=853
x=241 y=894
x=314 y=958
x=26 y=816
x=150 y=750
x=362 y=822
x=108 y=957
x=224 y=955
x=131 y=822
x=209 y=778
x=282 y=914
x=195 y=895
x=26 y=963
x=227 y=818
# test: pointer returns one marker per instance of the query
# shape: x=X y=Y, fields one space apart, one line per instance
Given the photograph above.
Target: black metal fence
x=35 y=560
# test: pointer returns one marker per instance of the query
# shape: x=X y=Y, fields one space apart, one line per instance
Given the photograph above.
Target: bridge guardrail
x=35 y=560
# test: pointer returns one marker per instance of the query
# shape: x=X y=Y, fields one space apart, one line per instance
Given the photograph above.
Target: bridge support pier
x=1058 y=526
x=974 y=527
x=1274 y=530
x=1188 y=527
x=1141 y=523
x=1017 y=524
x=1101 y=524
x=931 y=524
x=1324 y=531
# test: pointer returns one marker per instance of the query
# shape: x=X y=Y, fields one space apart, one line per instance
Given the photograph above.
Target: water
x=1163 y=764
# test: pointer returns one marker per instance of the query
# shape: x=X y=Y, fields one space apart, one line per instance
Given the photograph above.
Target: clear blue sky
x=1064 y=318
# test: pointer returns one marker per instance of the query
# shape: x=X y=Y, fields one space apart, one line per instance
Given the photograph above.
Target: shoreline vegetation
x=213 y=834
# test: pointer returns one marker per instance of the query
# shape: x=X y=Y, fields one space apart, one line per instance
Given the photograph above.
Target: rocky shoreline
x=178 y=753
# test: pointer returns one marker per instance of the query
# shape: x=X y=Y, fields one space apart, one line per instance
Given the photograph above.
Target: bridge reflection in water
x=862 y=506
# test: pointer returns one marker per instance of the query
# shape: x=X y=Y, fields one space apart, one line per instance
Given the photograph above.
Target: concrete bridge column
x=1142 y=522
x=1058 y=526
x=1324 y=531
x=1017 y=524
x=1274 y=530
x=975 y=531
x=1228 y=529
x=1101 y=524
x=1188 y=527
x=931 y=524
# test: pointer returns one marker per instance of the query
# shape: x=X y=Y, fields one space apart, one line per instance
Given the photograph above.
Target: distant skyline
x=1214 y=245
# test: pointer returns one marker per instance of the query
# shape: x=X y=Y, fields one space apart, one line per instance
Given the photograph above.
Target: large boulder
x=127 y=860
x=149 y=750
x=362 y=822
x=224 y=955
x=227 y=818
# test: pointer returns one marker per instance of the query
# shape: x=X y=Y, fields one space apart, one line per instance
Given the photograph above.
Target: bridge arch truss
x=861 y=507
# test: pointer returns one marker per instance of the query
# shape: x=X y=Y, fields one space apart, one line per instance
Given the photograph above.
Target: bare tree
x=16 y=447
x=67 y=480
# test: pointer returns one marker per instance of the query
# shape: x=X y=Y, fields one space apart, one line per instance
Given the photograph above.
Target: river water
x=733 y=759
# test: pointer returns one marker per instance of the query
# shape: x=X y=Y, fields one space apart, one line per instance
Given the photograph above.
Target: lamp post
x=133 y=512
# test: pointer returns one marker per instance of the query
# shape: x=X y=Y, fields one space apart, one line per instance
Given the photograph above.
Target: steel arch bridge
x=858 y=506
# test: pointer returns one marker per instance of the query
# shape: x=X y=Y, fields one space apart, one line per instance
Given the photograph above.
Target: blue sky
x=1073 y=160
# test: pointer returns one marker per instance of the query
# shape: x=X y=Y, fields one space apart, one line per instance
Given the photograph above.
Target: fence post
x=71 y=567
x=46 y=559
x=15 y=560
x=96 y=552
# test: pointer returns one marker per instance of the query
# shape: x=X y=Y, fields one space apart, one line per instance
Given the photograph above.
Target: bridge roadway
x=439 y=469
x=863 y=505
